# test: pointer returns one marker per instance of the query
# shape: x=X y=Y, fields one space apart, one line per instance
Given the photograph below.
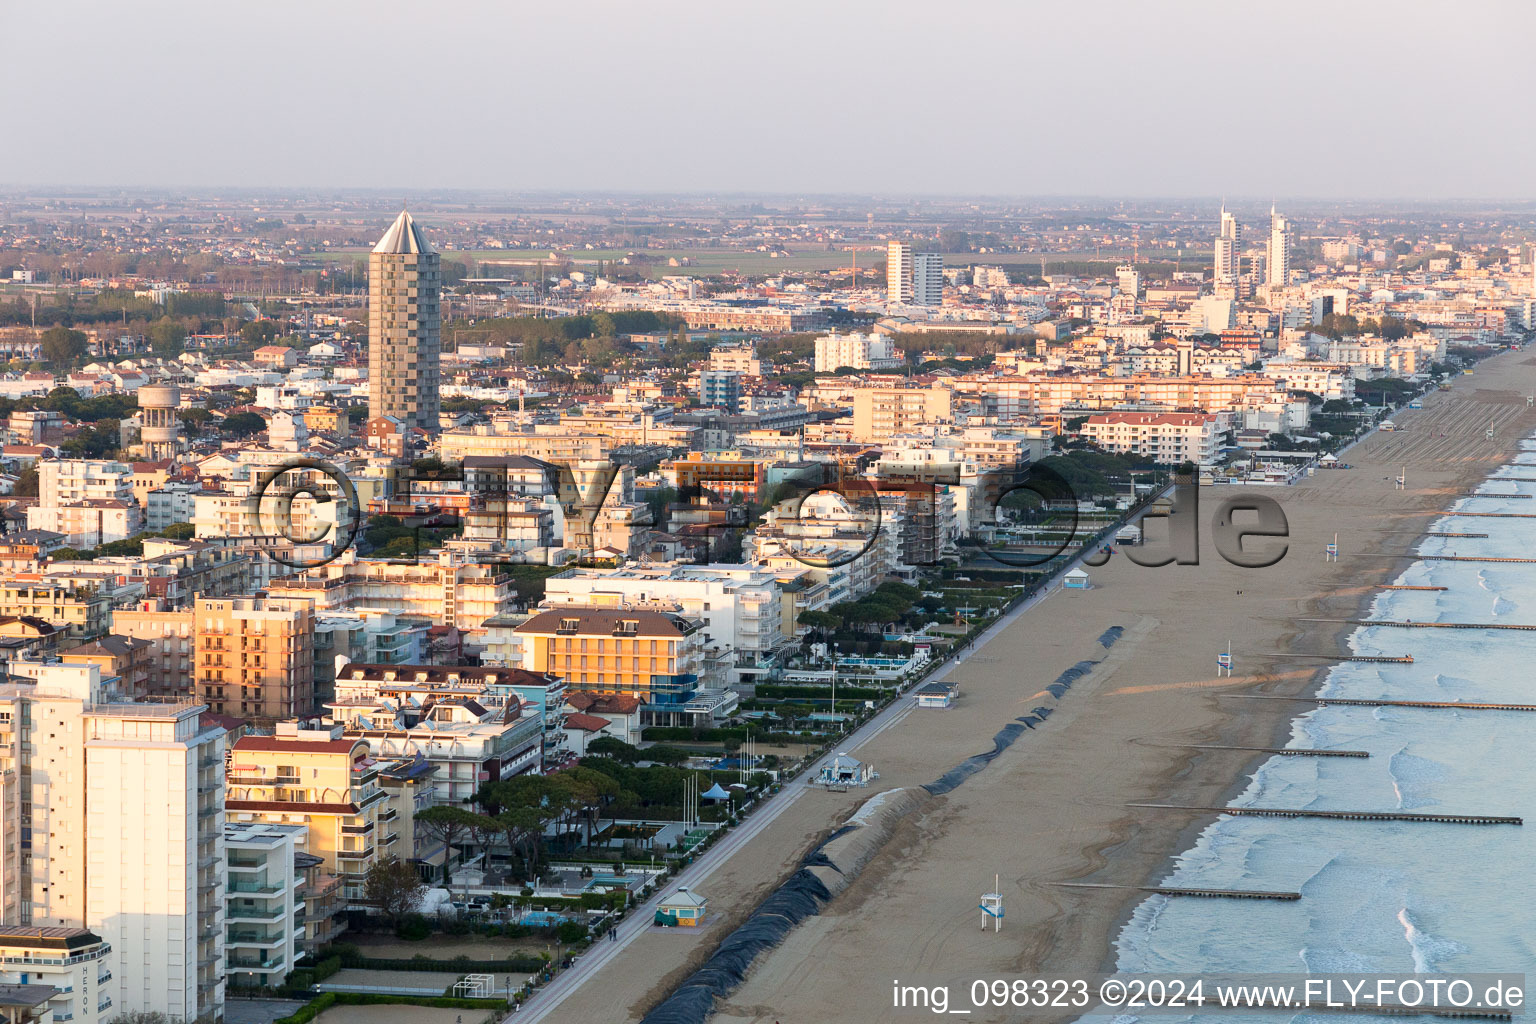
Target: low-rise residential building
x=466 y=722
x=742 y=608
x=1168 y=438
x=653 y=656
x=464 y=595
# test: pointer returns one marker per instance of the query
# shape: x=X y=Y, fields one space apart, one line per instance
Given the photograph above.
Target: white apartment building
x=455 y=595
x=123 y=831
x=264 y=927
x=75 y=961
x=89 y=501
x=469 y=743
x=913 y=277
x=1279 y=269
x=859 y=351
x=89 y=523
x=1229 y=249
x=1327 y=380
x=743 y=608
x=989 y=277
x=736 y=359
x=850 y=550
x=60 y=482
x=898 y=272
x=927 y=279
x=1167 y=438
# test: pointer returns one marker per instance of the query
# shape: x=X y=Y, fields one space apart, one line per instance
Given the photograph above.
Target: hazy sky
x=1397 y=99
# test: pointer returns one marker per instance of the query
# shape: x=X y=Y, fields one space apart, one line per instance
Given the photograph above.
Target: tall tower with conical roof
x=404 y=327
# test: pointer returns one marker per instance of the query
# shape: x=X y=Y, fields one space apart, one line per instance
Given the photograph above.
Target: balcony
x=240 y=937
x=255 y=964
x=253 y=915
x=357 y=830
x=259 y=886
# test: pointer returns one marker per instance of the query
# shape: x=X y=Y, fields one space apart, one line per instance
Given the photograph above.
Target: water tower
x=159 y=428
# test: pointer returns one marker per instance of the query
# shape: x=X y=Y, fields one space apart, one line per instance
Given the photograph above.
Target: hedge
x=516 y=964
x=791 y=691
x=687 y=733
x=312 y=1009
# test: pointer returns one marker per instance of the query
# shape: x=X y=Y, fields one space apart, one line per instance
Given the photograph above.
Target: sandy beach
x=1053 y=808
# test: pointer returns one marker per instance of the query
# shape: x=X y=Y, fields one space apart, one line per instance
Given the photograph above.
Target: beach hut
x=937 y=695
x=683 y=908
x=1129 y=535
x=844 y=770
x=1075 y=579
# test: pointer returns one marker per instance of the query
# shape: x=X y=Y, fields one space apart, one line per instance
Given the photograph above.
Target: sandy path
x=1053 y=808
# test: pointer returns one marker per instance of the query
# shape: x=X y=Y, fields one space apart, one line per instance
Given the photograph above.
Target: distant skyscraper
x=403 y=327
x=927 y=278
x=898 y=272
x=913 y=277
x=1279 y=249
x=1229 y=248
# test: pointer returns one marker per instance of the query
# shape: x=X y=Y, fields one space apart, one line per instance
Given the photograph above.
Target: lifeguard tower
x=992 y=906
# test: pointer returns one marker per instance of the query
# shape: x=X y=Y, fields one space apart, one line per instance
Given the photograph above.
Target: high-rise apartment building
x=1279 y=250
x=403 y=327
x=915 y=277
x=927 y=279
x=1229 y=247
x=898 y=272
x=255 y=657
x=121 y=815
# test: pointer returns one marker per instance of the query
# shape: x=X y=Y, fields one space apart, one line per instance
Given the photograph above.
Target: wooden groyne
x=1283 y=751
x=1369 y=702
x=1179 y=890
x=1426 y=625
x=1493 y=515
x=1473 y=558
x=1403 y=659
x=1478 y=494
x=1302 y=812
x=1450 y=535
x=1405 y=586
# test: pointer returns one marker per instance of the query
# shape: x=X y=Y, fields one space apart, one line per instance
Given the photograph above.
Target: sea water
x=1385 y=897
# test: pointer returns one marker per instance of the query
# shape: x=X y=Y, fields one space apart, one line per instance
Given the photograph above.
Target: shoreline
x=1308 y=636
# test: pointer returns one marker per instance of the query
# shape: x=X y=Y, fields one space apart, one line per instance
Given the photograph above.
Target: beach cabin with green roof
x=684 y=908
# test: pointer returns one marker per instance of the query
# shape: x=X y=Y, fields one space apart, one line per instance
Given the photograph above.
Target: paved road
x=640 y=919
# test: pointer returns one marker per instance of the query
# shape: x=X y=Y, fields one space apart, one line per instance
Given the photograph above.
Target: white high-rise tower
x=1229 y=244
x=1279 y=272
x=898 y=272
